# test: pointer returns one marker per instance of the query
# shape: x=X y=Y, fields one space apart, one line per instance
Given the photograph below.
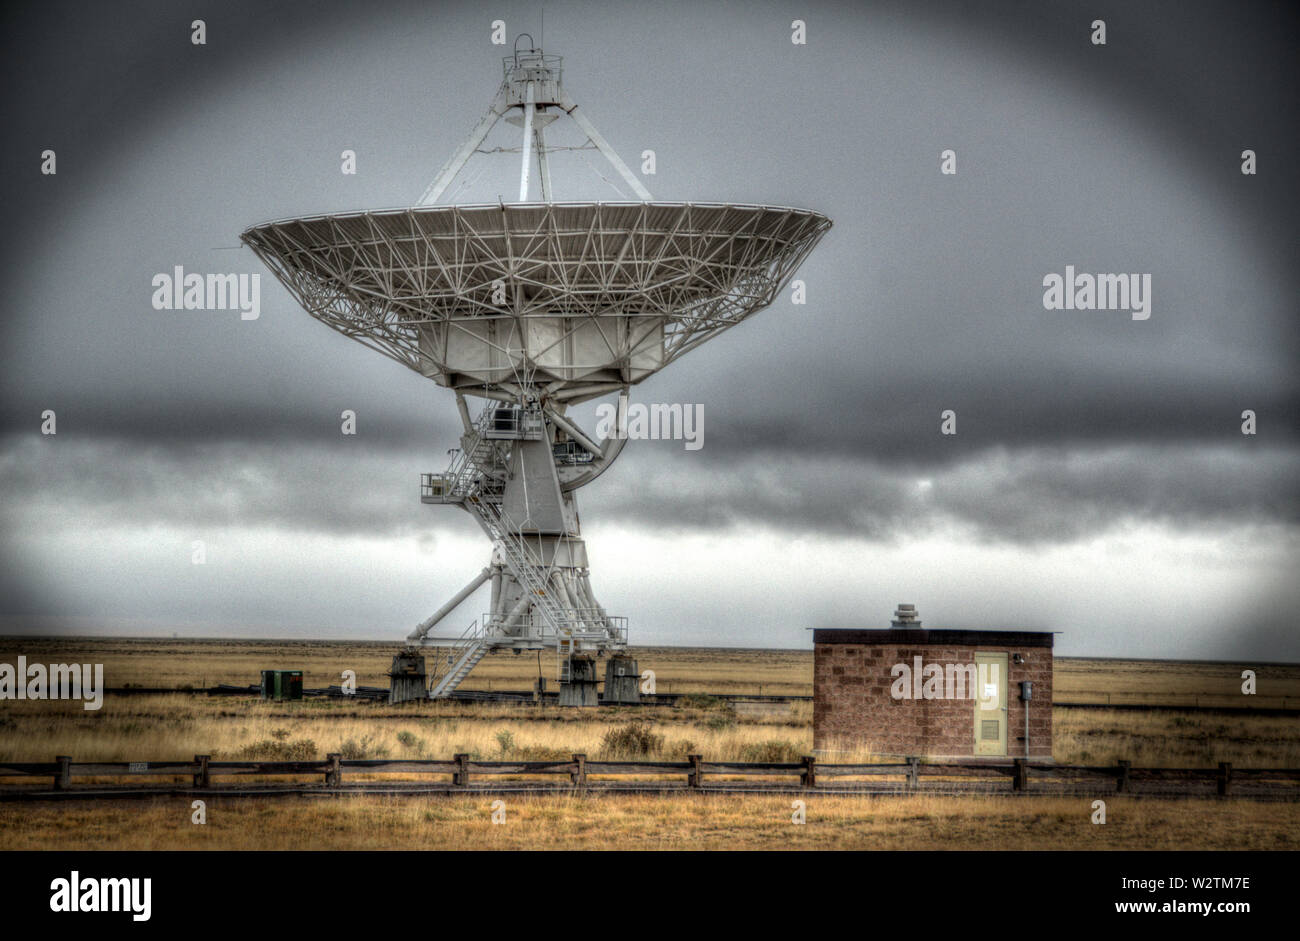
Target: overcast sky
x=1098 y=484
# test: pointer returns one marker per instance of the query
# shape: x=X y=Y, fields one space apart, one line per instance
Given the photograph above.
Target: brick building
x=906 y=691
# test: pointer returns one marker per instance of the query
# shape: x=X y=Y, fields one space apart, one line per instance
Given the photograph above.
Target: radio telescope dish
x=535 y=307
x=581 y=297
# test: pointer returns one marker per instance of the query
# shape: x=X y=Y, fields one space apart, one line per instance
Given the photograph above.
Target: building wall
x=853 y=706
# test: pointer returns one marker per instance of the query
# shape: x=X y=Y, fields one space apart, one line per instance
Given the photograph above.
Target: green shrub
x=631 y=740
x=505 y=742
x=411 y=742
x=367 y=747
x=303 y=749
x=772 y=751
x=720 y=721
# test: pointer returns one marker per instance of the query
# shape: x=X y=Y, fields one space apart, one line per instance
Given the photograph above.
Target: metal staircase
x=468 y=473
x=519 y=559
x=462 y=658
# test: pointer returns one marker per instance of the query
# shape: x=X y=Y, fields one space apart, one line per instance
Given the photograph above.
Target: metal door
x=990 y=704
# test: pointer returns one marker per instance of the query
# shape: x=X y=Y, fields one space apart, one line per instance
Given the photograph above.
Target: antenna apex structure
x=532 y=66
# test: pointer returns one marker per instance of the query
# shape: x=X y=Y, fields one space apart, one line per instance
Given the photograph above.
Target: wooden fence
x=460 y=771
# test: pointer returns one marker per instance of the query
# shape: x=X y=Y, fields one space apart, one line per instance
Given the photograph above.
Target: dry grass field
x=228 y=728
x=196 y=664
x=635 y=822
x=203 y=663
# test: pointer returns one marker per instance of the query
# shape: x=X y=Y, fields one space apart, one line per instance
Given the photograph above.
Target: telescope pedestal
x=622 y=681
x=406 y=679
x=580 y=688
x=516 y=474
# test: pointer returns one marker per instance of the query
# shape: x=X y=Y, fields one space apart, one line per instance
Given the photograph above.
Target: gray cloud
x=353 y=487
x=1036 y=496
x=350 y=488
x=820 y=420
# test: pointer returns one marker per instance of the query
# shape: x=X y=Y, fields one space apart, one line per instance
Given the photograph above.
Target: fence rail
x=690 y=773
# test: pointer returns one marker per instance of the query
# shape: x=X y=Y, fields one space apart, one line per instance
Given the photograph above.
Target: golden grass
x=181 y=726
x=172 y=727
x=205 y=663
x=1168 y=738
x=637 y=822
x=1146 y=682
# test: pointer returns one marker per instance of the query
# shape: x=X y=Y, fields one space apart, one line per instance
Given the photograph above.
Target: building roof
x=944 y=638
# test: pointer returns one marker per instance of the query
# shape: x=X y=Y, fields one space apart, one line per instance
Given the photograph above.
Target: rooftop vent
x=905 y=616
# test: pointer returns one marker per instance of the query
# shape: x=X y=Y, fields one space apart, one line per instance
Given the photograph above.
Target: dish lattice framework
x=419 y=285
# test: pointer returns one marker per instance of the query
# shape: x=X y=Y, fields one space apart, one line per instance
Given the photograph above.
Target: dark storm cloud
x=169 y=425
x=999 y=495
x=359 y=489
x=344 y=488
x=1211 y=78
x=905 y=430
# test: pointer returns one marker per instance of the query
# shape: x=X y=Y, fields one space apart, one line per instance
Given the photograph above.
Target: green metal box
x=282 y=685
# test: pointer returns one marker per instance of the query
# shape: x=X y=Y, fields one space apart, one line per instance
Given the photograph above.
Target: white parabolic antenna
x=534 y=307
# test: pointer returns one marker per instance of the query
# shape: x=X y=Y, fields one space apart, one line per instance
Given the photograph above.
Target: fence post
x=808 y=777
x=695 y=776
x=334 y=776
x=461 y=777
x=1225 y=778
x=1121 y=783
x=1021 y=780
x=202 y=777
x=579 y=770
x=63 y=777
x=913 y=771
